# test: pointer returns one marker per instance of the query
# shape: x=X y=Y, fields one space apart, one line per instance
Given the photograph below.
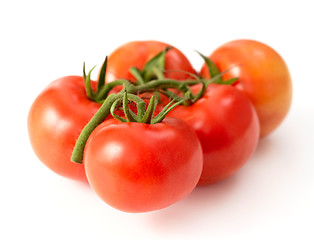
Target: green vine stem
x=99 y=117
x=162 y=84
x=104 y=92
x=154 y=85
x=109 y=106
x=145 y=84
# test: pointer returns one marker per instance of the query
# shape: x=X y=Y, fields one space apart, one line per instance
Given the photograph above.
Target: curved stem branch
x=161 y=84
x=99 y=117
x=103 y=93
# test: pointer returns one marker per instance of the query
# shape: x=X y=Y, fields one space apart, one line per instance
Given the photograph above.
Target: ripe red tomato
x=227 y=126
x=138 y=53
x=55 y=121
x=264 y=78
x=138 y=167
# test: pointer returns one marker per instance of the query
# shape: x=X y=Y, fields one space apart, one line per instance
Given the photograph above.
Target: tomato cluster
x=152 y=128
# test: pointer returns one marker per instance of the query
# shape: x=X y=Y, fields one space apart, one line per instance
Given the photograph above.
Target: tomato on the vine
x=227 y=126
x=138 y=167
x=263 y=76
x=55 y=121
x=138 y=53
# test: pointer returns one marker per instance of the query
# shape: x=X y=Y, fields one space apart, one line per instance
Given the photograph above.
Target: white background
x=270 y=198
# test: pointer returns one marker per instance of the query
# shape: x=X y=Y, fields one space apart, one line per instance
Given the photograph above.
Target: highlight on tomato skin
x=56 y=119
x=136 y=167
x=227 y=126
x=264 y=78
x=147 y=160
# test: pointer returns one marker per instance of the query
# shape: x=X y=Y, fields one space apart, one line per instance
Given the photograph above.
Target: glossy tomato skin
x=227 y=126
x=55 y=121
x=138 y=53
x=137 y=167
x=264 y=78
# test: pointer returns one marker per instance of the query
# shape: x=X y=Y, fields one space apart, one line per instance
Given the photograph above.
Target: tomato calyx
x=112 y=102
x=151 y=79
x=153 y=69
x=102 y=90
x=144 y=115
x=87 y=81
x=157 y=84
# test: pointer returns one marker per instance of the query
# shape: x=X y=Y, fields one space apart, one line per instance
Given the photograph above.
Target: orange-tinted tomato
x=264 y=78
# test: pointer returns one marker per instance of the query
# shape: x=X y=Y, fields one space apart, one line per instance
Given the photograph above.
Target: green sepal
x=212 y=68
x=113 y=108
x=149 y=111
x=163 y=113
x=88 y=87
x=84 y=72
x=140 y=105
x=130 y=116
x=185 y=72
x=169 y=94
x=155 y=67
x=230 y=81
x=158 y=97
x=225 y=82
x=102 y=76
x=137 y=73
x=201 y=92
